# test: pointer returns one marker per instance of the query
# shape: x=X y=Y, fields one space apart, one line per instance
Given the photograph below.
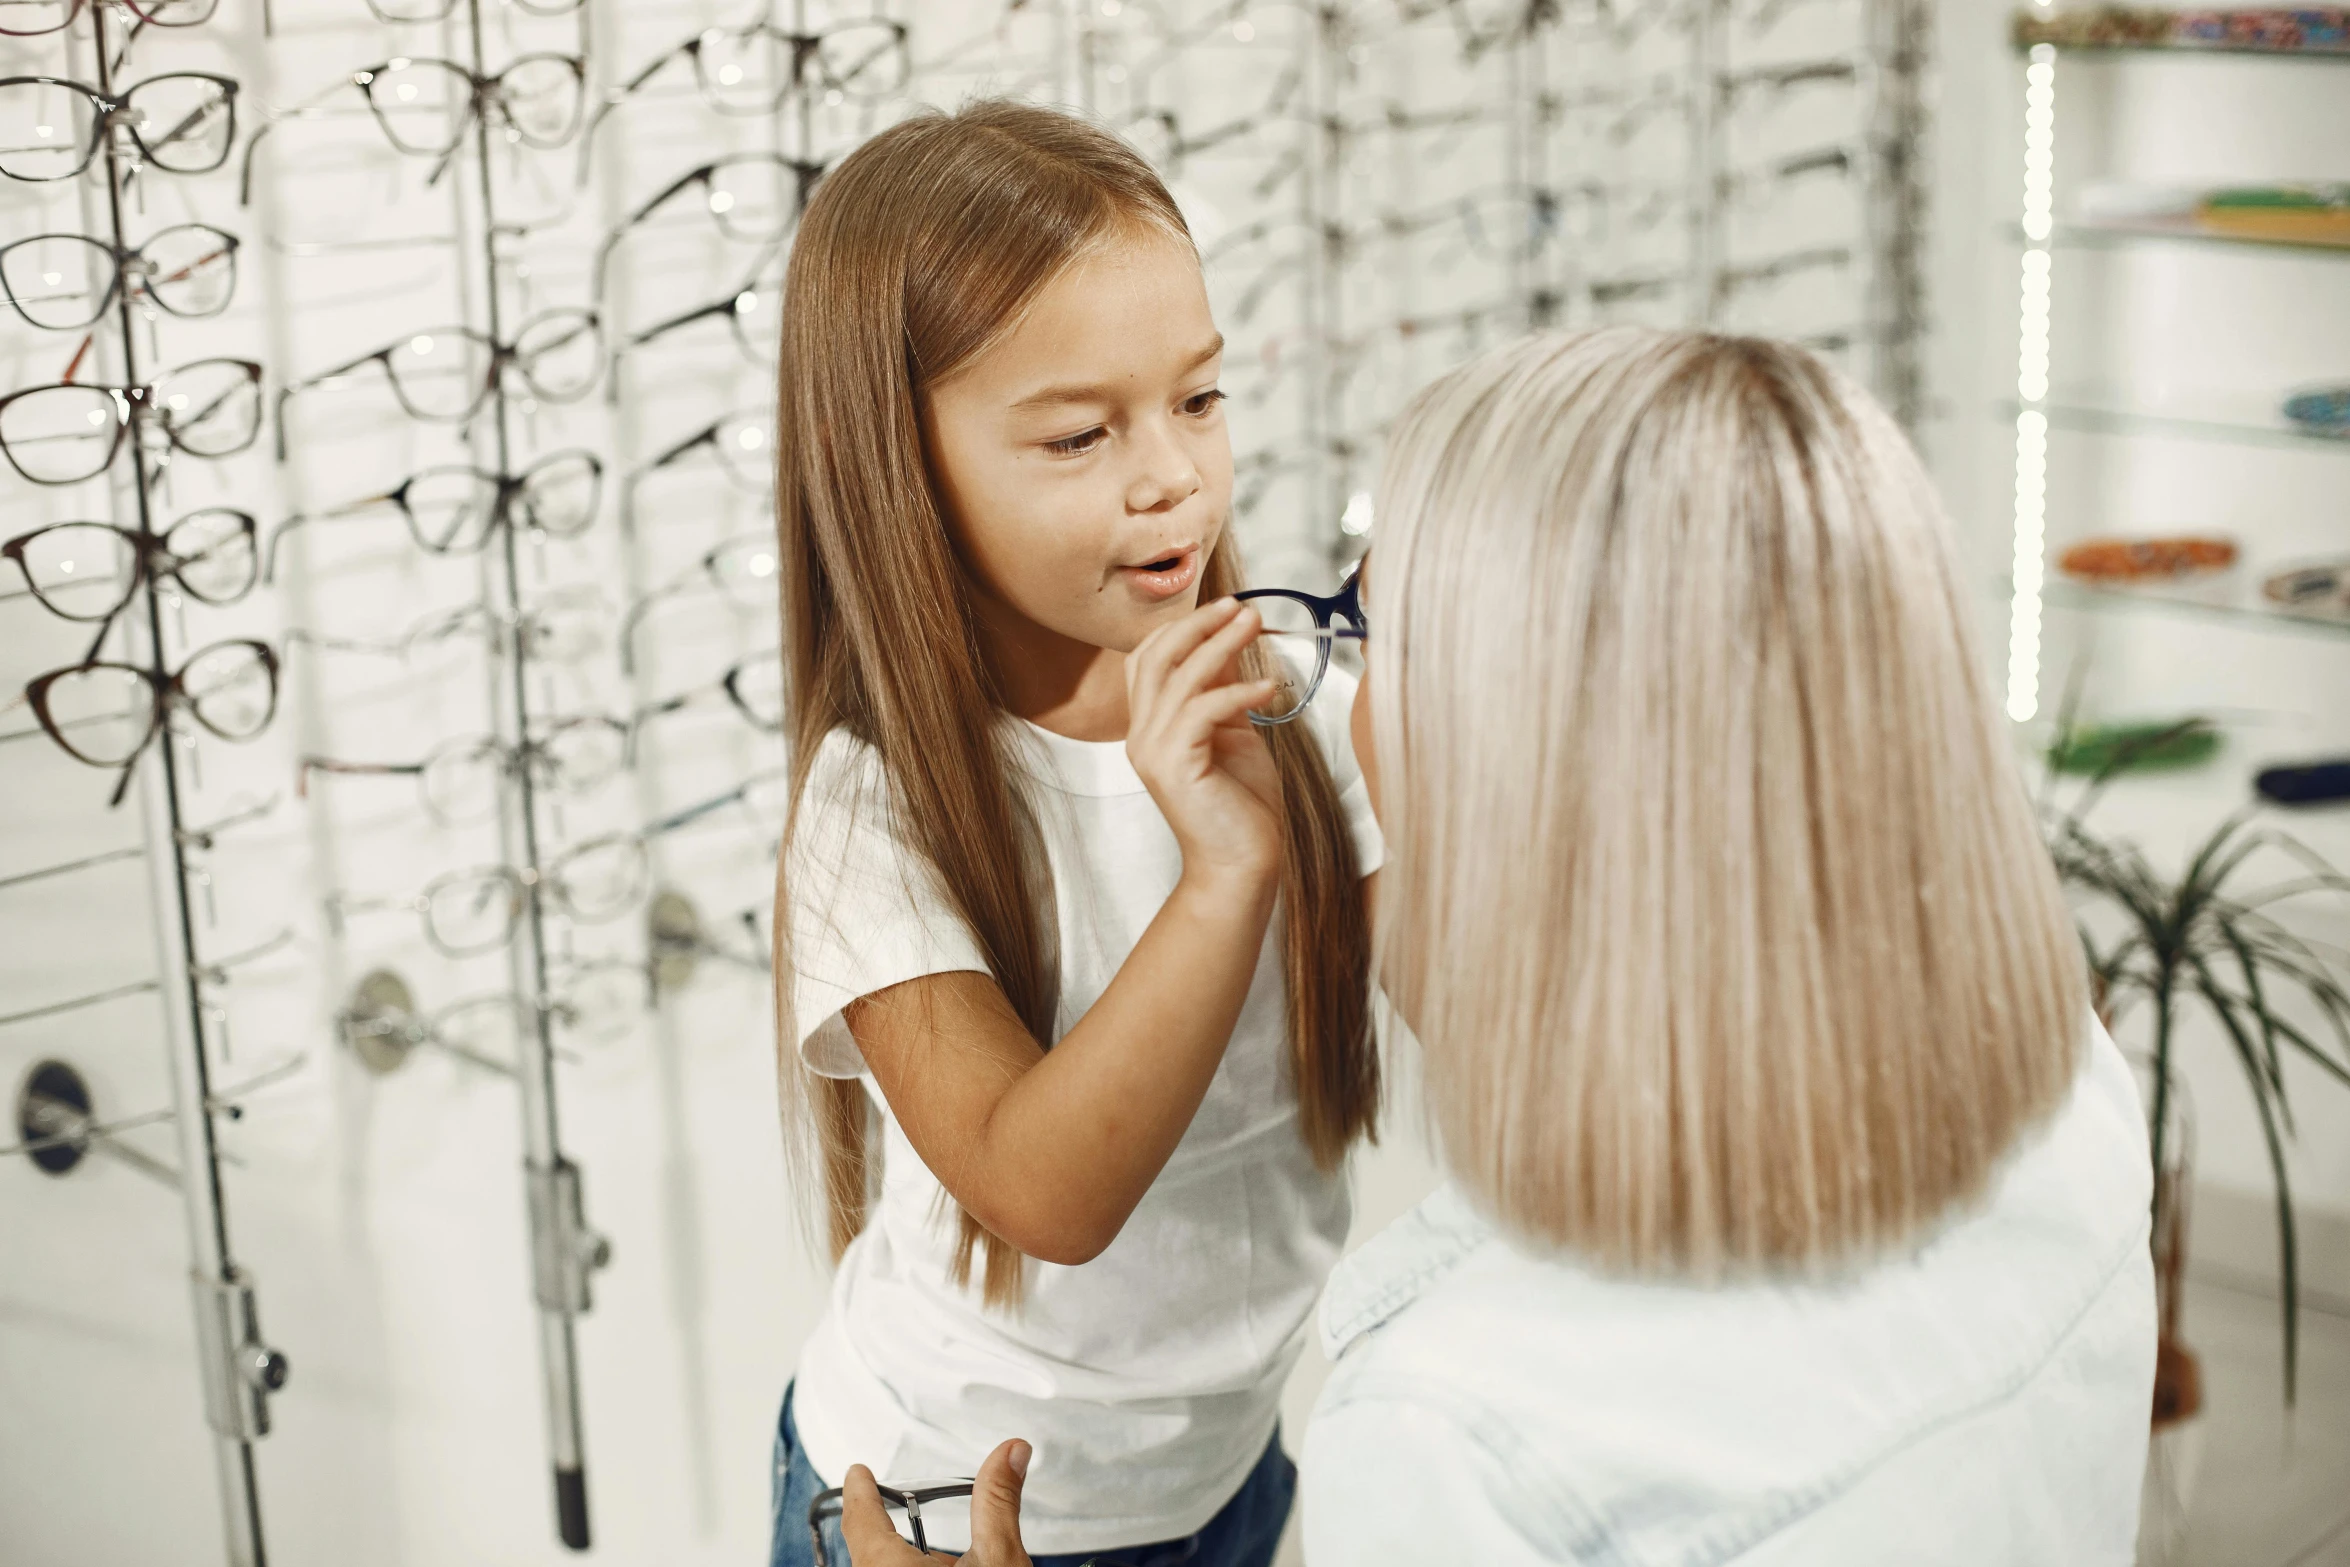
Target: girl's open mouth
x=1165 y=577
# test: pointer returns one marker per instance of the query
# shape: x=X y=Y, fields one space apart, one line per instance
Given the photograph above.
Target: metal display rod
x=565 y=1253
x=240 y=1371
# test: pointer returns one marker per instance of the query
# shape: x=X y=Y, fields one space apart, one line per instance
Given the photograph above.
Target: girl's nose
x=1165 y=475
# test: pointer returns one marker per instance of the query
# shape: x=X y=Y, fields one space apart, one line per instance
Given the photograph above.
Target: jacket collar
x=1398 y=1265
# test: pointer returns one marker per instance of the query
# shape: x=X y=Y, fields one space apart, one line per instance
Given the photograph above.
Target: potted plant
x=2160 y=949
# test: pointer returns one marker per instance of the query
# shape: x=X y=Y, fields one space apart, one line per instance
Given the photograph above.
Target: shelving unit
x=2043 y=405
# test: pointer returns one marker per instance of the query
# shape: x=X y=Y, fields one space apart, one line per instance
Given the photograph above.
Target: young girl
x=1078 y=950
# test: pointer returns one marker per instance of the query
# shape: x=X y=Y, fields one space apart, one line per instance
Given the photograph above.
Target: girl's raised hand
x=1204 y=763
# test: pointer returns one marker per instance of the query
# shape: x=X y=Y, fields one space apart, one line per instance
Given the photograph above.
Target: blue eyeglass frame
x=1345 y=605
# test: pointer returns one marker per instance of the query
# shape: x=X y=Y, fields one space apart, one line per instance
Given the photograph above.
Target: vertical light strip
x=2031 y=386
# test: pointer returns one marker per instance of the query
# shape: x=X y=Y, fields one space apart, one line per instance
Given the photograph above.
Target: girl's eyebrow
x=1058 y=396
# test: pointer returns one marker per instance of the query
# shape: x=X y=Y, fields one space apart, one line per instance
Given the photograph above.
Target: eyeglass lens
x=1299 y=653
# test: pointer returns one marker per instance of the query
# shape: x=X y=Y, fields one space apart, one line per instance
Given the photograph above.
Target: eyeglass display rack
x=2282 y=39
x=1369 y=217
x=239 y=1371
x=1379 y=188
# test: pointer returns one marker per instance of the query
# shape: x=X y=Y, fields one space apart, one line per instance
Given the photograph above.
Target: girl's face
x=1083 y=459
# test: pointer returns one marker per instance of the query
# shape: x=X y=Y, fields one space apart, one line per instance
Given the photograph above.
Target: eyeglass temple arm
x=347 y=509
x=191 y=119
x=595 y=121
x=270 y=120
x=340 y=905
x=636 y=613
x=327 y=764
x=644 y=211
x=706 y=436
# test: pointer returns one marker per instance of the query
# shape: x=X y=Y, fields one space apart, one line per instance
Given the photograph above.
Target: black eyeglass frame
x=1345 y=605
x=828 y=1505
x=487 y=95
x=501 y=357
x=805 y=173
x=149 y=15
x=129 y=402
x=166 y=690
x=804 y=48
x=151 y=556
x=130 y=266
x=508 y=488
x=108 y=112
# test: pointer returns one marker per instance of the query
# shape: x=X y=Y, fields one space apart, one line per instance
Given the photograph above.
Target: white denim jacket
x=1981 y=1403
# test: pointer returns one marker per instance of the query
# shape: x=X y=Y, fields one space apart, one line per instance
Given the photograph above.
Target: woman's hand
x=1189 y=737
x=995 y=1517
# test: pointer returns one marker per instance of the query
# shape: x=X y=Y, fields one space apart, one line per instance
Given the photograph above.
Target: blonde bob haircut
x=1712 y=892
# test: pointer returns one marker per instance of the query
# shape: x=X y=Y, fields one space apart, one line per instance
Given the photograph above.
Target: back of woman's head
x=1715 y=899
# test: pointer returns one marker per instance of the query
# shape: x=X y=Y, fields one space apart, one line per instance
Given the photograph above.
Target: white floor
x=2274 y=1488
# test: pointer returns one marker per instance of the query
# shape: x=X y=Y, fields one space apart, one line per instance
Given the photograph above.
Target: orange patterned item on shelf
x=2288 y=214
x=2145 y=560
x=2254 y=30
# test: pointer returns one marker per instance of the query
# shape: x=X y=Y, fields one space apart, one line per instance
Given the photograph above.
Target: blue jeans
x=1244 y=1534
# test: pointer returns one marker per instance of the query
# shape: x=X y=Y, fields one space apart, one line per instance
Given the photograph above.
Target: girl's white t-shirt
x=1149 y=1379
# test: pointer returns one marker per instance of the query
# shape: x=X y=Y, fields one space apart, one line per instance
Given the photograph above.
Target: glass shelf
x=2028 y=29
x=2101 y=416
x=2111 y=233
x=2254 y=615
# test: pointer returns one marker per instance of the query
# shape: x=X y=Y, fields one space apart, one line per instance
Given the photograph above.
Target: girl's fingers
x=1209 y=711
x=1206 y=666
x=1147 y=666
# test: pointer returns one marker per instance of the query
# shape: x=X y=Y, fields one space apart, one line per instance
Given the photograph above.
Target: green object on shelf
x=2102 y=750
x=2281 y=198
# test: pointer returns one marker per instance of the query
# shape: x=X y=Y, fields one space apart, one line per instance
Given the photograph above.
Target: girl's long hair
x=919 y=251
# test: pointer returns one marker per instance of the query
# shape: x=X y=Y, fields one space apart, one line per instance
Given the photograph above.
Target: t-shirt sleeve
x=865 y=911
x=1332 y=718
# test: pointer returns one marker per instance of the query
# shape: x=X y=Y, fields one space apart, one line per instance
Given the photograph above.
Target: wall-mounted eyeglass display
x=743 y=568
x=743 y=443
x=752 y=687
x=69 y=431
x=89 y=570
x=426 y=106
x=66 y=281
x=396 y=11
x=446 y=373
x=459 y=781
x=752 y=70
x=752 y=311
x=454 y=510
x=105 y=713
x=33 y=18
x=469 y=912
x=561 y=626
x=595 y=1002
x=183 y=122
x=751 y=196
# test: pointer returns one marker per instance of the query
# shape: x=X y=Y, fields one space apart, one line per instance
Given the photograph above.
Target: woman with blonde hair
x=1797 y=1207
